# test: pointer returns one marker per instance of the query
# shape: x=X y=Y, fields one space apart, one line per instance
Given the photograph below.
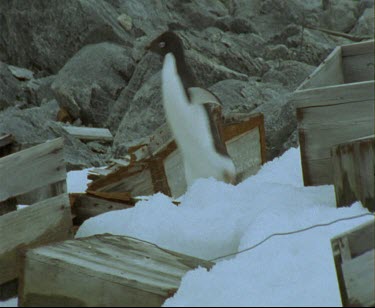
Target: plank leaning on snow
x=89 y=133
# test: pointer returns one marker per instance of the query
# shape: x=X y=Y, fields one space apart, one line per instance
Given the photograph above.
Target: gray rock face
x=10 y=88
x=42 y=35
x=90 y=82
x=365 y=24
x=36 y=125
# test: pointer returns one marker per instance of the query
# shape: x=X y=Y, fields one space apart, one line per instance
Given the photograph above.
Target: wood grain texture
x=359 y=68
x=42 y=223
x=353 y=172
x=320 y=128
x=30 y=169
x=114 y=270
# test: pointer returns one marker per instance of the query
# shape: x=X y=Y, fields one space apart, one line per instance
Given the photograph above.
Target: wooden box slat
x=30 y=169
x=353 y=252
x=103 y=270
x=332 y=110
x=353 y=172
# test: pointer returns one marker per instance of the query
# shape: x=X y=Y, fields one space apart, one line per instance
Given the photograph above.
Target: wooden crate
x=334 y=105
x=102 y=270
x=353 y=253
x=44 y=222
x=353 y=172
x=156 y=164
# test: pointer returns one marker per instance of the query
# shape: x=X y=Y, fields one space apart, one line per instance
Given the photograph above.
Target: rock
x=144 y=115
x=279 y=51
x=290 y=73
x=365 y=24
x=90 y=82
x=147 y=67
x=340 y=16
x=238 y=96
x=39 y=90
x=11 y=92
x=42 y=35
x=279 y=118
x=125 y=21
x=21 y=73
x=36 y=125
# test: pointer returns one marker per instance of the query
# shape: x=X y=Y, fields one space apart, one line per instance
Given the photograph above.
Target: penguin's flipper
x=202 y=96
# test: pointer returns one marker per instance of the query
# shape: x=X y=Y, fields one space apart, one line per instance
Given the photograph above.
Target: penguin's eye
x=162 y=44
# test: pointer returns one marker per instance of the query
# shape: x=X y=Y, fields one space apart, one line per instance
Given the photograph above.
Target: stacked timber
x=354 y=255
x=102 y=271
x=22 y=175
x=334 y=105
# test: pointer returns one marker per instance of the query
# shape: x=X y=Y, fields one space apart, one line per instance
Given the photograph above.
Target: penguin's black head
x=166 y=43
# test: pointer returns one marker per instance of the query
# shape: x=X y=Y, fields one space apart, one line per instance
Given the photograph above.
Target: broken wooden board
x=116 y=271
x=45 y=222
x=159 y=167
x=353 y=253
x=334 y=105
x=89 y=133
x=85 y=206
x=353 y=172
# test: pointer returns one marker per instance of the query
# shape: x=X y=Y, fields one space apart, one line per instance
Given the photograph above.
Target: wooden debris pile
x=156 y=165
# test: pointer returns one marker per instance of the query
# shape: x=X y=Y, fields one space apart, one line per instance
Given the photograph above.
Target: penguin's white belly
x=190 y=125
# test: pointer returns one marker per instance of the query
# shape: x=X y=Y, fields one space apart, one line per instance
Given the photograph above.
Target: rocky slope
x=87 y=56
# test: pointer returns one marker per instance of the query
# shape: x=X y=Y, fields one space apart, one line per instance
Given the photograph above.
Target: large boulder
x=147 y=66
x=36 y=125
x=42 y=35
x=365 y=24
x=90 y=82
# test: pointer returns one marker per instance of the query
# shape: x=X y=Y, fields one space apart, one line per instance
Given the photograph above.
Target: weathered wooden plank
x=355 y=241
x=334 y=95
x=329 y=72
x=89 y=133
x=114 y=270
x=322 y=127
x=359 y=275
x=358 y=48
x=359 y=68
x=353 y=172
x=86 y=206
x=45 y=222
x=33 y=168
x=353 y=253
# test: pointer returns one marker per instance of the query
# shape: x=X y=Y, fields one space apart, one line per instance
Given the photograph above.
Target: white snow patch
x=215 y=219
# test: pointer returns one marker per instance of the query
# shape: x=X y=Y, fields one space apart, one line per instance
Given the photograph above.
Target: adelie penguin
x=189 y=117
